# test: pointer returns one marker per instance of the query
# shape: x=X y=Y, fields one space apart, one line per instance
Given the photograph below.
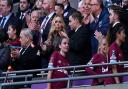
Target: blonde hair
x=53 y=30
x=100 y=43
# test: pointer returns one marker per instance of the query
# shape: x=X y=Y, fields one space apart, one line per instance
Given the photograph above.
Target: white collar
x=115 y=23
x=8 y=16
x=65 y=7
x=50 y=15
x=78 y=28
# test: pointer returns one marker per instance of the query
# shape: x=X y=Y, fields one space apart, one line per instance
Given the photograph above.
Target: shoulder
x=97 y=58
x=112 y=46
x=55 y=54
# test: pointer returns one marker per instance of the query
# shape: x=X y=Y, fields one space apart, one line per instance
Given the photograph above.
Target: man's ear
x=116 y=16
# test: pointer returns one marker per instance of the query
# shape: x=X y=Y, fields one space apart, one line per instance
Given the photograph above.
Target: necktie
x=44 y=23
x=3 y=21
x=21 y=16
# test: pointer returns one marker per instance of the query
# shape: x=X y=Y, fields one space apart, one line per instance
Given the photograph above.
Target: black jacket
x=80 y=47
x=29 y=58
x=4 y=57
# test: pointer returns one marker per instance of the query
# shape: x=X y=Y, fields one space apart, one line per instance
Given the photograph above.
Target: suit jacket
x=22 y=23
x=12 y=20
x=47 y=28
x=30 y=58
x=67 y=12
x=101 y=25
x=4 y=57
x=80 y=47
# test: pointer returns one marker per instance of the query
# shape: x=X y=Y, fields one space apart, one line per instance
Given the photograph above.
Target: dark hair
x=28 y=1
x=118 y=10
x=122 y=14
x=60 y=5
x=15 y=28
x=121 y=28
x=3 y=36
x=77 y=15
x=59 y=42
x=10 y=3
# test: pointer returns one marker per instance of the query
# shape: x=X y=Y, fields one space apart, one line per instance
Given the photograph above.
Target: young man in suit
x=24 y=10
x=80 y=41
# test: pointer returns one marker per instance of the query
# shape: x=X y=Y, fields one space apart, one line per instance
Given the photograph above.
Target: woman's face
x=58 y=23
x=64 y=46
x=11 y=32
x=103 y=46
x=121 y=36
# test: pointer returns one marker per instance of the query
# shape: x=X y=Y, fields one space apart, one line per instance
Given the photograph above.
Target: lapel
x=9 y=21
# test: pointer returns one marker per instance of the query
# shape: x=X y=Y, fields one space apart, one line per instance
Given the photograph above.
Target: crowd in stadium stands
x=50 y=33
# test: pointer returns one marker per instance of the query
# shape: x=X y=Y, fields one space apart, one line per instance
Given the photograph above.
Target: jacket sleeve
x=4 y=58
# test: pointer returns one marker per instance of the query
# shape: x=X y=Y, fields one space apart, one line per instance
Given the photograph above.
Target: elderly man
x=100 y=23
x=29 y=57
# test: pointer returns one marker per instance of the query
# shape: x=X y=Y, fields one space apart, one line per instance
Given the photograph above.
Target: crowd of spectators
x=50 y=33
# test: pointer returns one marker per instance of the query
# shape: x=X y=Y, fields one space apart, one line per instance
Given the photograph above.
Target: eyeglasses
x=87 y=4
x=94 y=4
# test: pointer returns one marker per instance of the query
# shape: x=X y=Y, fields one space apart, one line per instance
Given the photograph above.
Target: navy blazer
x=12 y=20
x=47 y=28
x=102 y=25
x=67 y=12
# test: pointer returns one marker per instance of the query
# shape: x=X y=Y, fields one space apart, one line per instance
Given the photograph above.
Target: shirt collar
x=65 y=7
x=115 y=23
x=50 y=15
x=8 y=16
x=78 y=28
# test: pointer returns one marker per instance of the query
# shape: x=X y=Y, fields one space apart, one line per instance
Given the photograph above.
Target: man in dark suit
x=68 y=10
x=80 y=41
x=29 y=57
x=49 y=8
x=7 y=15
x=24 y=10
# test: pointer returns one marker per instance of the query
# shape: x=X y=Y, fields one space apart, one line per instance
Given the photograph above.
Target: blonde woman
x=57 y=30
x=99 y=58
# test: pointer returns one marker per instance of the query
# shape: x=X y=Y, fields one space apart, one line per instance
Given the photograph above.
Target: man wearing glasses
x=100 y=23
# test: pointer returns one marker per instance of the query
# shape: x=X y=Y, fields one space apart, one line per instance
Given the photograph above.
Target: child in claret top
x=58 y=59
x=99 y=58
x=13 y=35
